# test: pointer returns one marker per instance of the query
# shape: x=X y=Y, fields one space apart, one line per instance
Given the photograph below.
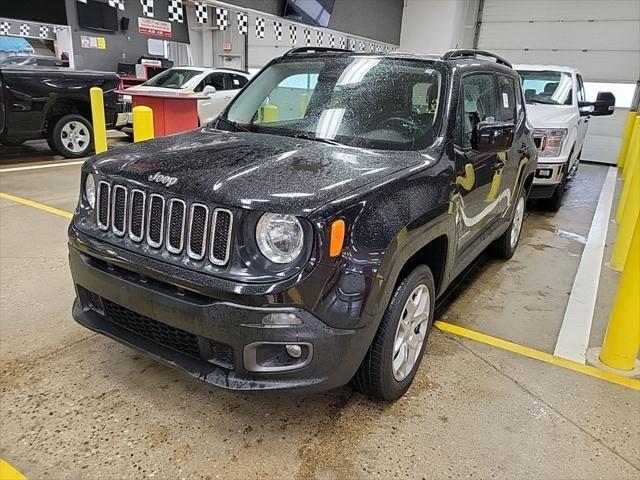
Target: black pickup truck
x=53 y=103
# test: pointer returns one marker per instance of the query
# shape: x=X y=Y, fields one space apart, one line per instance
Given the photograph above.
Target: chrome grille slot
x=119 y=210
x=221 y=227
x=155 y=220
x=136 y=215
x=103 y=206
x=198 y=222
x=175 y=229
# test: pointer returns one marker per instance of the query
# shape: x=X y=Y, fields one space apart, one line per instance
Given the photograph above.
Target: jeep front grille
x=168 y=223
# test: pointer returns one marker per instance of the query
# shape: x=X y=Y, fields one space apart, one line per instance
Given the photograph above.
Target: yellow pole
x=271 y=113
x=304 y=103
x=622 y=340
x=633 y=141
x=629 y=219
x=632 y=167
x=142 y=123
x=99 y=123
x=626 y=138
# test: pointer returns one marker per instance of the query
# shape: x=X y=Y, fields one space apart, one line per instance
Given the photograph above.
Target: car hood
x=250 y=170
x=148 y=88
x=552 y=116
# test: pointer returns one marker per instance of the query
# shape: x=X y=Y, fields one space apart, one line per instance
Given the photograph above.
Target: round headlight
x=280 y=237
x=90 y=190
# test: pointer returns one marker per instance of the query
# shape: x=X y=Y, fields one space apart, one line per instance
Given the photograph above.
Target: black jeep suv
x=303 y=238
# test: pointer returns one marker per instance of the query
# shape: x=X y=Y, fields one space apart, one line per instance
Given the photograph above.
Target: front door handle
x=499 y=165
x=227 y=98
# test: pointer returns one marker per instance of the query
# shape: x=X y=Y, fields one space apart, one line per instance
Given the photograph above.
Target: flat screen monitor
x=95 y=15
x=313 y=12
x=45 y=11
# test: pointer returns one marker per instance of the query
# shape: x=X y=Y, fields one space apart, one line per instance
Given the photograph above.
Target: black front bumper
x=542 y=191
x=205 y=337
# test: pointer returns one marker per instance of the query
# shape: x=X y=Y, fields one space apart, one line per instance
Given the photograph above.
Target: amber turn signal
x=337 y=238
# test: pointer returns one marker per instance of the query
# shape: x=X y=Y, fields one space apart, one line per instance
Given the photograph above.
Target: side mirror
x=208 y=89
x=491 y=136
x=605 y=104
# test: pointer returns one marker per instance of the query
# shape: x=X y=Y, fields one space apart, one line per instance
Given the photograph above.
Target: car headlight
x=551 y=143
x=280 y=237
x=90 y=190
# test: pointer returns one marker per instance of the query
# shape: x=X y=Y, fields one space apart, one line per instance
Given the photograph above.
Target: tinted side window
x=581 y=95
x=506 y=100
x=237 y=81
x=214 y=79
x=477 y=104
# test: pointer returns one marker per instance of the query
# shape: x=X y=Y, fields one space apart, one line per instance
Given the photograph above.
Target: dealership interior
x=319 y=239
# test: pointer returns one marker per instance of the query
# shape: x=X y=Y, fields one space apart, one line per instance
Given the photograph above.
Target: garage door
x=601 y=39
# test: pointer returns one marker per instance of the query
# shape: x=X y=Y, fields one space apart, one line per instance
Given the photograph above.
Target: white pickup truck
x=559 y=113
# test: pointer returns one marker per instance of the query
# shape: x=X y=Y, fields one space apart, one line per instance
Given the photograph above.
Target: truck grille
x=168 y=223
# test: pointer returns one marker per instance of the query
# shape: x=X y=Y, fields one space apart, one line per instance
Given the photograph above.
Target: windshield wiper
x=236 y=125
x=306 y=136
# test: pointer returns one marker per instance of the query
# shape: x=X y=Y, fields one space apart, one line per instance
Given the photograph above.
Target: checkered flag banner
x=202 y=16
x=260 y=26
x=352 y=44
x=25 y=28
x=147 y=8
x=372 y=47
x=243 y=23
x=57 y=29
x=4 y=28
x=332 y=40
x=362 y=46
x=44 y=31
x=293 y=34
x=343 y=42
x=307 y=37
x=117 y=3
x=175 y=11
x=277 y=30
x=222 y=18
x=319 y=37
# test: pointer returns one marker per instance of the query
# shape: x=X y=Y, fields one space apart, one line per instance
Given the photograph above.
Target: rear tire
x=383 y=375
x=72 y=136
x=505 y=246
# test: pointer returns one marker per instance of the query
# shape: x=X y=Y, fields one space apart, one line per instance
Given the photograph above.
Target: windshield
x=173 y=78
x=359 y=101
x=548 y=87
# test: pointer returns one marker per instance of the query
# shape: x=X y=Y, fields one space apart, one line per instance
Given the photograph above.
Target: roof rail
x=297 y=50
x=471 y=53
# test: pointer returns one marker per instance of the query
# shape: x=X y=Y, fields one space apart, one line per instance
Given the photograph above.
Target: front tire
x=506 y=245
x=72 y=136
x=396 y=351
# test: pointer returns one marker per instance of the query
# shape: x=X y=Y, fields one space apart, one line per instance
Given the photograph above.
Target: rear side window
x=506 y=100
x=237 y=81
x=214 y=79
x=477 y=104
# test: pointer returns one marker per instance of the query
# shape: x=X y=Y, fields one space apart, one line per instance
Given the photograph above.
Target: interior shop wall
x=121 y=46
x=376 y=19
x=435 y=26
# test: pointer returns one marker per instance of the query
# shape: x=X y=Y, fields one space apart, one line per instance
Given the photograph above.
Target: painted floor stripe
x=573 y=339
x=538 y=355
x=444 y=326
x=37 y=167
x=34 y=204
x=8 y=472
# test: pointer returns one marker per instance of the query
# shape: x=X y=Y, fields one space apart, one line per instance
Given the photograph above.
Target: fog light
x=281 y=319
x=294 y=350
x=544 y=173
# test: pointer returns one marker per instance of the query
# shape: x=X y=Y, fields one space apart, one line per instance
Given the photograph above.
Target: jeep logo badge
x=164 y=179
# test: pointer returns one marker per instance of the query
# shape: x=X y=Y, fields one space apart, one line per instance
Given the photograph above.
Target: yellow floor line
x=7 y=472
x=444 y=326
x=38 y=205
x=538 y=355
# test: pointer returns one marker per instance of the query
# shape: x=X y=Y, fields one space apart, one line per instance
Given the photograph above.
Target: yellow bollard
x=626 y=138
x=271 y=113
x=629 y=219
x=622 y=339
x=634 y=140
x=99 y=123
x=304 y=103
x=142 y=124
x=632 y=163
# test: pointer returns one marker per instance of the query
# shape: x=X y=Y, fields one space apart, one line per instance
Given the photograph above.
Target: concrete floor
x=77 y=405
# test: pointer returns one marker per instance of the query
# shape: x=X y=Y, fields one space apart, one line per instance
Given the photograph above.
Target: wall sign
x=93 y=42
x=157 y=28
